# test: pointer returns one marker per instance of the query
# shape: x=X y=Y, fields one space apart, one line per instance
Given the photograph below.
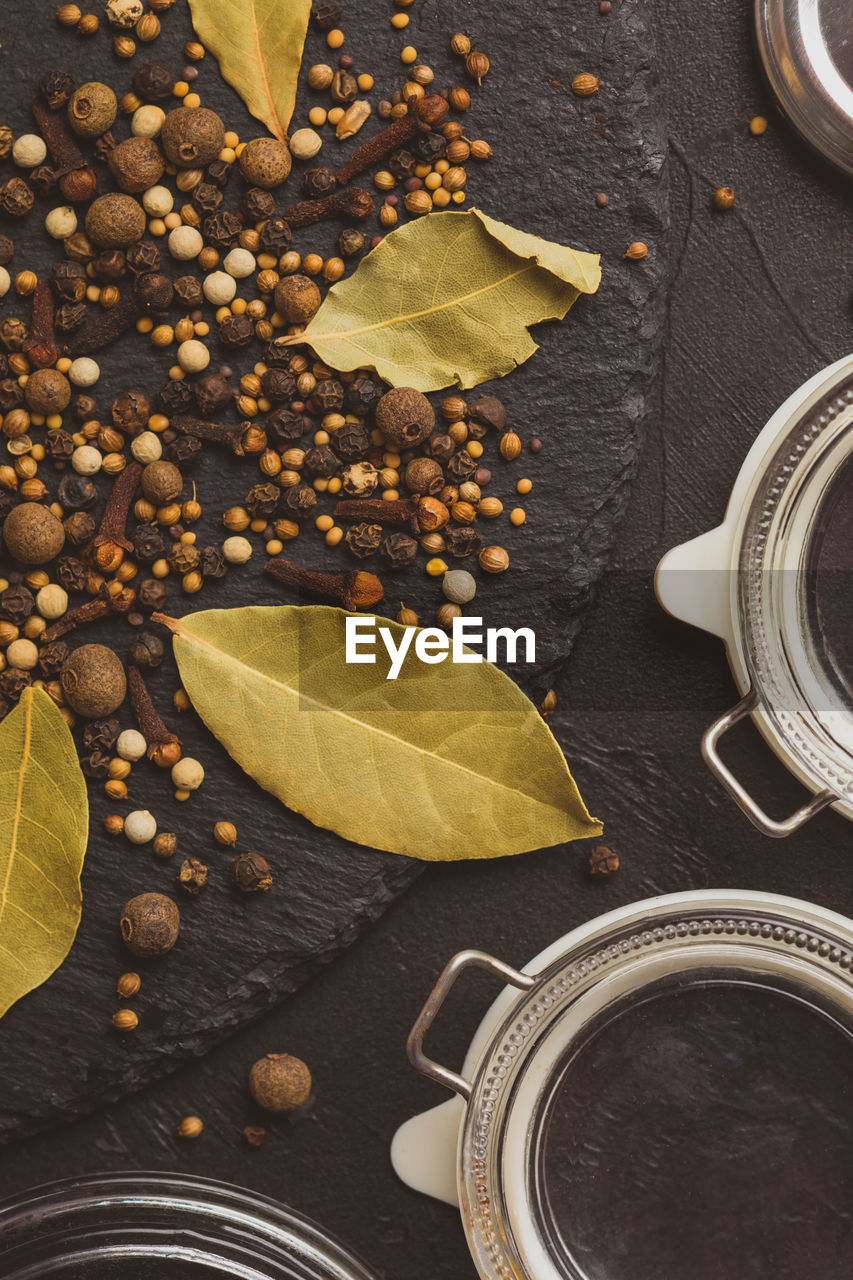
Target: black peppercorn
x=79 y=528
x=13 y=682
x=148 y=544
x=398 y=550
x=183 y=558
x=72 y=573
x=284 y=427
x=219 y=172
x=152 y=593
x=278 y=386
x=11 y=395
x=488 y=412
x=142 y=257
x=212 y=393
x=222 y=229
x=362 y=396
x=130 y=412
x=69 y=280
x=7 y=502
x=461 y=540
x=110 y=265
x=189 y=291
x=7 y=250
x=258 y=204
x=192 y=875
x=277 y=355
x=431 y=147
x=43 y=179
x=95 y=763
x=363 y=539
x=251 y=873
x=206 y=198
x=56 y=88
x=183 y=450
x=59 y=444
x=328 y=396
x=402 y=163
x=13 y=333
x=153 y=292
x=351 y=441
x=326 y=14
x=51 y=658
x=320 y=462
x=102 y=734
x=83 y=407
x=461 y=467
x=440 y=447
x=236 y=331
x=175 y=397
x=16 y=198
x=147 y=651
x=213 y=563
x=350 y=242
x=299 y=502
x=603 y=862
x=276 y=238
x=263 y=500
x=150 y=924
x=153 y=81
x=70 y=316
x=16 y=604
x=319 y=182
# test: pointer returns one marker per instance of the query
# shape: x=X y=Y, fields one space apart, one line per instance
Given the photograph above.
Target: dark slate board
x=587 y=393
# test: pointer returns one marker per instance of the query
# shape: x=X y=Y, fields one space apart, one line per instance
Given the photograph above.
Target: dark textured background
x=759 y=301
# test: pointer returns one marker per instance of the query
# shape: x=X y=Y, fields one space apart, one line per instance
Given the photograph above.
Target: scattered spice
x=150 y=924
x=190 y=1127
x=254 y=1134
x=724 y=197
x=128 y=985
x=251 y=873
x=279 y=1082
x=603 y=862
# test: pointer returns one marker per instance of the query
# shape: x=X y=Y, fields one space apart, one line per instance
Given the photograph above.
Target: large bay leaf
x=447 y=299
x=448 y=761
x=258 y=45
x=44 y=822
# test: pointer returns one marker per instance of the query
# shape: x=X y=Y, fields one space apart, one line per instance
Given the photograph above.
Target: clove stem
x=354 y=590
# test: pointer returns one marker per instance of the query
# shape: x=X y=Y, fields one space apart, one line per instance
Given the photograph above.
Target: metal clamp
x=739 y=794
x=438 y=995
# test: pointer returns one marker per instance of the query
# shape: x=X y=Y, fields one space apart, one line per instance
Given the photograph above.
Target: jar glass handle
x=767 y=825
x=438 y=995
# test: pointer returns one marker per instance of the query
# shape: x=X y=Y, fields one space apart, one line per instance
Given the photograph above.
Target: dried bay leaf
x=258 y=45
x=44 y=822
x=447 y=299
x=446 y=762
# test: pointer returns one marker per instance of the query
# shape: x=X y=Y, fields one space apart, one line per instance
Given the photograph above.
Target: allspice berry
x=265 y=162
x=296 y=299
x=136 y=164
x=93 y=681
x=150 y=924
x=115 y=221
x=32 y=534
x=192 y=137
x=161 y=482
x=47 y=391
x=405 y=417
x=279 y=1082
x=92 y=109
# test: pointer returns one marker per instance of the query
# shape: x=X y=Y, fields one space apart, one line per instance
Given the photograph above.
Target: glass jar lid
x=152 y=1226
x=668 y=1098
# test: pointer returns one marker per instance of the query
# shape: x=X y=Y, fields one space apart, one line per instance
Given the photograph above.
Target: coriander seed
x=225 y=833
x=190 y=1127
x=125 y=1020
x=128 y=985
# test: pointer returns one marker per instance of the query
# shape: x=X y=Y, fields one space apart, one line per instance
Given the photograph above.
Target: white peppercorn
x=458 y=586
x=131 y=745
x=146 y=447
x=185 y=243
x=84 y=372
x=5 y=282
x=140 y=826
x=240 y=263
x=29 y=150
x=52 y=601
x=61 y=222
x=157 y=201
x=219 y=288
x=193 y=356
x=237 y=550
x=305 y=143
x=147 y=121
x=86 y=460
x=187 y=774
x=23 y=654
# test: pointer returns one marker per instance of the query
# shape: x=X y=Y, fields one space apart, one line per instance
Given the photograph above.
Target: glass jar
x=662 y=1094
x=771 y=581
x=153 y=1226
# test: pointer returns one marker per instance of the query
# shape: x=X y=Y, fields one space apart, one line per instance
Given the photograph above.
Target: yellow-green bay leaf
x=447 y=761
x=447 y=299
x=44 y=823
x=258 y=45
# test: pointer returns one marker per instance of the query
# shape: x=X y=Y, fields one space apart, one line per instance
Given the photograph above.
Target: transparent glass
x=151 y=1226
x=671 y=1099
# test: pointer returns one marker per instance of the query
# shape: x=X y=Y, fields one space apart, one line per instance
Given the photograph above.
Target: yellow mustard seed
x=324 y=523
x=317 y=116
x=400 y=20
x=524 y=486
x=441 y=198
x=192 y=100
x=334 y=536
x=365 y=82
x=409 y=54
x=757 y=126
x=181 y=89
x=517 y=516
x=334 y=38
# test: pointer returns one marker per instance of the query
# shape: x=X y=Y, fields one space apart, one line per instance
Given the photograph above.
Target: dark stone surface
x=586 y=393
x=760 y=300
